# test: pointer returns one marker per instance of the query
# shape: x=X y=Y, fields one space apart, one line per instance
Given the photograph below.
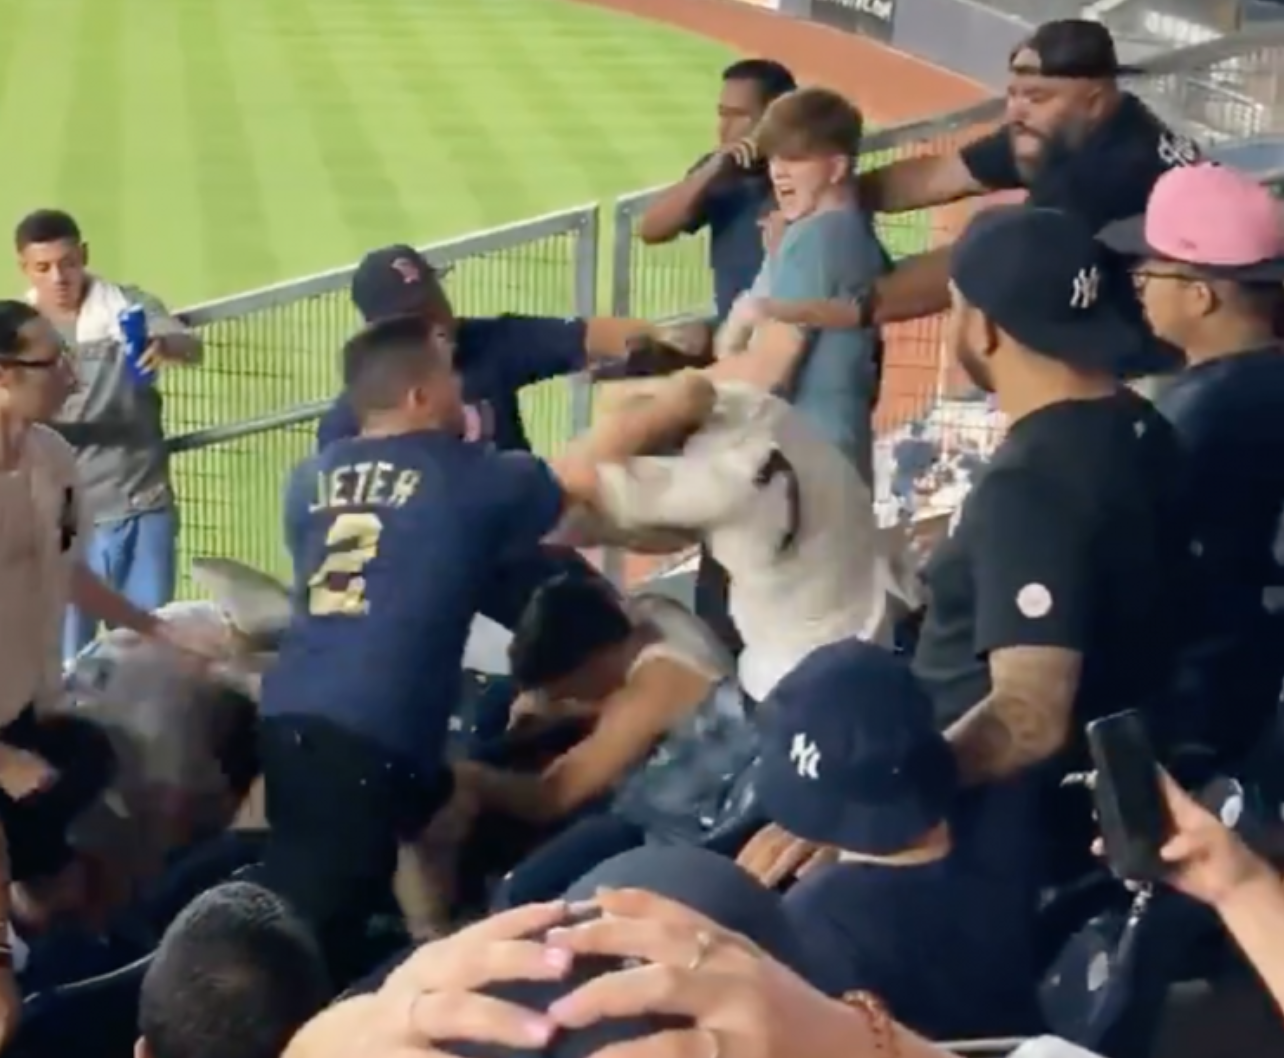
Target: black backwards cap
x=1071 y=47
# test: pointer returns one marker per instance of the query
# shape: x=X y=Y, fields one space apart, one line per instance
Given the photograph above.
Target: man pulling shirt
x=1073 y=139
x=495 y=356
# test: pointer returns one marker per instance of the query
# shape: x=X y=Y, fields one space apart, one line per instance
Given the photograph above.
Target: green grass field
x=213 y=146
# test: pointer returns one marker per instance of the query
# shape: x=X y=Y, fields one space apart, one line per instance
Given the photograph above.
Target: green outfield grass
x=213 y=146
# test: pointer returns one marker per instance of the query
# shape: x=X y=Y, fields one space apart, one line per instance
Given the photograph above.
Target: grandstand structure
x=271 y=352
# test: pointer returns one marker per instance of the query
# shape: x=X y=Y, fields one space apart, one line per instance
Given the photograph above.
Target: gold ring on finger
x=703 y=942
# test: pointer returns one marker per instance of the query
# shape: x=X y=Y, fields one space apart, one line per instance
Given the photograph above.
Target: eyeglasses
x=1141 y=277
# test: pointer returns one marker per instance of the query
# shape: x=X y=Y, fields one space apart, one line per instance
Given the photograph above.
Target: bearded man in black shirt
x=1057 y=595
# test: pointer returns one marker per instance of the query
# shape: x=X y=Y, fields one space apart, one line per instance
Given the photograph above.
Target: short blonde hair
x=811 y=121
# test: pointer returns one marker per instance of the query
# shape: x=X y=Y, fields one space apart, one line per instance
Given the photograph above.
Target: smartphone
x=1129 y=798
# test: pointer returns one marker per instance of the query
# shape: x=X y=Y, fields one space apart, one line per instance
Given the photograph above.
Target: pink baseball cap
x=1219 y=221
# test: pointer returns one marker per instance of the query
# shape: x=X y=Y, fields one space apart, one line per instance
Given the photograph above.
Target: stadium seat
x=1107 y=988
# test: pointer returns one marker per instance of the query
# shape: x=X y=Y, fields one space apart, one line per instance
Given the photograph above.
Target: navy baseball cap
x=851 y=754
x=718 y=888
x=1041 y=276
x=393 y=281
x=704 y=881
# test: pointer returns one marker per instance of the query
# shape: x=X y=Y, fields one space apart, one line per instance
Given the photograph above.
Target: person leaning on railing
x=1073 y=139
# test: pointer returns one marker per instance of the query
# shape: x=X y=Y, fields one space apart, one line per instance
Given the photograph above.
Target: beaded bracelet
x=878 y=1020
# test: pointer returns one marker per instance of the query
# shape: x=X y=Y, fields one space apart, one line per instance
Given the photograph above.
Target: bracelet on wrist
x=882 y=1029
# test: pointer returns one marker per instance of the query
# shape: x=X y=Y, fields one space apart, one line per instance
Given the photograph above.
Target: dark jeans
x=711 y=590
x=497 y=843
x=36 y=826
x=557 y=865
x=338 y=807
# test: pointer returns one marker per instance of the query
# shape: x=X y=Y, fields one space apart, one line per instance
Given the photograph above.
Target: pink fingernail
x=538 y=1030
x=557 y=958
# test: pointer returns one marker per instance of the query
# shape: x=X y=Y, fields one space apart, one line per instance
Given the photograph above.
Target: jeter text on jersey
x=373 y=484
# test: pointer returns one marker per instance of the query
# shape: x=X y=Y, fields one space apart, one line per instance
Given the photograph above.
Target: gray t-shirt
x=113 y=422
x=832 y=254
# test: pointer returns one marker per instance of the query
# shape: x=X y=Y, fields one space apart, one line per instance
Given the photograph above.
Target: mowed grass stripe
x=367 y=198
x=88 y=177
x=573 y=104
x=667 y=82
x=232 y=210
x=34 y=122
x=305 y=225
x=163 y=226
x=421 y=127
x=454 y=139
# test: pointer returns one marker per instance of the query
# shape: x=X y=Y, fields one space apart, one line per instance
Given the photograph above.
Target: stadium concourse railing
x=271 y=353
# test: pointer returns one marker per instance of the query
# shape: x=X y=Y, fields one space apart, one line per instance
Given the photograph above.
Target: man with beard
x=1057 y=595
x=1072 y=139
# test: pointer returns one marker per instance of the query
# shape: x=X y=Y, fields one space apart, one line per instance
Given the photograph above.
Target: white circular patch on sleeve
x=1034 y=601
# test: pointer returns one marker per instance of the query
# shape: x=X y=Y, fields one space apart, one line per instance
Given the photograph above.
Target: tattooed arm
x=1032 y=572
x=1024 y=719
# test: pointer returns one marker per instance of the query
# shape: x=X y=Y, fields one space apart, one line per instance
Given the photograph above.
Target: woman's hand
x=743 y=1003
x=433 y=996
x=1208 y=859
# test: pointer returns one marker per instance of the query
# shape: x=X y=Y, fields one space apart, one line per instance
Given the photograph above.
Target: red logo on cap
x=409 y=271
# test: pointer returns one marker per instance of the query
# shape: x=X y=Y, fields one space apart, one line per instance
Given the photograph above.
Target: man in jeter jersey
x=404 y=534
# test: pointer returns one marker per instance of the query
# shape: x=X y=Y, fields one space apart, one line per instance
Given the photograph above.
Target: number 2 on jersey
x=338 y=587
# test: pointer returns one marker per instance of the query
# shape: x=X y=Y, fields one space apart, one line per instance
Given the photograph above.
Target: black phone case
x=1131 y=813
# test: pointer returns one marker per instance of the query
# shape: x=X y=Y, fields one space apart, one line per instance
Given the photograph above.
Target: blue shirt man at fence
x=496 y=357
x=728 y=190
x=829 y=247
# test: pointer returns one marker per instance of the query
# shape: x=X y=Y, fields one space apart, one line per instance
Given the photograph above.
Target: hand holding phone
x=1127 y=790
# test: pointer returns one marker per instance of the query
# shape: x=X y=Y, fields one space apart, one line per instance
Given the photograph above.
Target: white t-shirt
x=800 y=545
x=43 y=529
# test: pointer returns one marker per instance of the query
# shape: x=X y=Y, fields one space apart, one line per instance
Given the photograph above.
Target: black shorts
x=35 y=827
x=338 y=805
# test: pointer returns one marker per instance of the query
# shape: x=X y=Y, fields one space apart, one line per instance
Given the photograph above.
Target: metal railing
x=272 y=351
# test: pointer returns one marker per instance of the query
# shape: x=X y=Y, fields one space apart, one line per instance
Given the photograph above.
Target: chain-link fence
x=271 y=350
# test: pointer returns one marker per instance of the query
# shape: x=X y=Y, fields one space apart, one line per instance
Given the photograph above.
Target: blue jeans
x=138 y=556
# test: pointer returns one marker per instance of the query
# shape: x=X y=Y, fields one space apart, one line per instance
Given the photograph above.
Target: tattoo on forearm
x=1024 y=719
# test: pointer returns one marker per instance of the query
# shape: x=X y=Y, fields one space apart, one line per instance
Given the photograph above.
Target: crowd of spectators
x=833 y=810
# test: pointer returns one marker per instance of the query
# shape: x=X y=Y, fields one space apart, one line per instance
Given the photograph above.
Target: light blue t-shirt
x=834 y=254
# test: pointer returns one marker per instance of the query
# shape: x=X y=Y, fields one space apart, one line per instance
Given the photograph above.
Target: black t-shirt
x=1107 y=177
x=1227 y=413
x=1075 y=536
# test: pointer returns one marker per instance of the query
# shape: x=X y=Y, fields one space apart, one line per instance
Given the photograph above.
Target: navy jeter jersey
x=398 y=545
